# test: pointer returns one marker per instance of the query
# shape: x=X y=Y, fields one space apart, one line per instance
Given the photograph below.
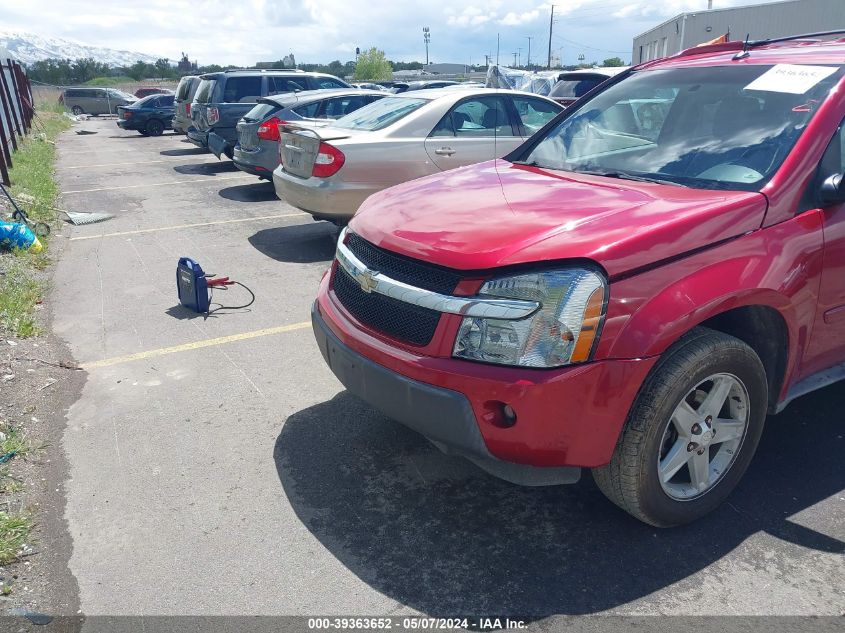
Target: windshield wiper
x=621 y=175
x=527 y=163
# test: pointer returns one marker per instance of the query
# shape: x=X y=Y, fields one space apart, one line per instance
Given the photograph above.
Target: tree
x=139 y=70
x=372 y=66
x=613 y=61
x=163 y=67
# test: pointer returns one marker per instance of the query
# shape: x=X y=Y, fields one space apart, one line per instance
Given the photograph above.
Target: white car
x=330 y=171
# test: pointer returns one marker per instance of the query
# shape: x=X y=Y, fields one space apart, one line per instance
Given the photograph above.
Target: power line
x=592 y=48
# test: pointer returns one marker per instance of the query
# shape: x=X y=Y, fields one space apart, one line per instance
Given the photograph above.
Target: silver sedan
x=330 y=171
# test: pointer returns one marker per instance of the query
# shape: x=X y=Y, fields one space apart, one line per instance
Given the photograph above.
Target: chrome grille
x=402 y=321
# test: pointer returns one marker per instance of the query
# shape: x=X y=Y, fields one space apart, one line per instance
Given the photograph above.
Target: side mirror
x=833 y=189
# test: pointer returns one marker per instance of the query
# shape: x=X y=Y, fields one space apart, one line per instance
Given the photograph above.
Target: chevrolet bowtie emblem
x=367 y=280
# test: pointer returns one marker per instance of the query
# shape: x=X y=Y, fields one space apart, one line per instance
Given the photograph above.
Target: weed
x=14 y=533
x=13 y=441
x=19 y=292
x=8 y=483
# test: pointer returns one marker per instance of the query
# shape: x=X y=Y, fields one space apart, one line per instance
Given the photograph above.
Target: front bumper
x=569 y=416
x=443 y=416
x=324 y=198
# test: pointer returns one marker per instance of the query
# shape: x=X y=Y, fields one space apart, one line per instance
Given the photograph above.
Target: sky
x=243 y=32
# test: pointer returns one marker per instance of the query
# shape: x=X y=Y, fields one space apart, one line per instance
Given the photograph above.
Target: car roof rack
x=744 y=47
x=789 y=38
x=256 y=70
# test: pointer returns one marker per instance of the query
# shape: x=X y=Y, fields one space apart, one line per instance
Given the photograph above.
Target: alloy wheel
x=703 y=437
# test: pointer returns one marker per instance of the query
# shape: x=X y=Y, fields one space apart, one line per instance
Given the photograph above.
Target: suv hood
x=499 y=214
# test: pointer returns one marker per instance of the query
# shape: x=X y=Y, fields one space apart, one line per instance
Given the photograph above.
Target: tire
x=652 y=443
x=154 y=127
x=77 y=110
x=143 y=133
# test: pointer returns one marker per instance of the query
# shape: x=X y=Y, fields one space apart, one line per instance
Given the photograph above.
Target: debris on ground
x=35 y=617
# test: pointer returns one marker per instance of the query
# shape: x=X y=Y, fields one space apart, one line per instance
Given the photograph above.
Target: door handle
x=444 y=151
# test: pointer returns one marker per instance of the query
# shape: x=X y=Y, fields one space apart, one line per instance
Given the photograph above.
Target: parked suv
x=182 y=102
x=96 y=100
x=608 y=296
x=571 y=86
x=223 y=98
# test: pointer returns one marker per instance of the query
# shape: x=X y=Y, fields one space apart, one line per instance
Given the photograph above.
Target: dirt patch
x=37 y=386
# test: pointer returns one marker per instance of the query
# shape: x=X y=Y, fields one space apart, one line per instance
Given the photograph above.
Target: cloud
x=518 y=19
x=469 y=17
x=246 y=31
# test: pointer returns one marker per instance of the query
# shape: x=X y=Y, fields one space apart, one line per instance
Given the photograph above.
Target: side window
x=167 y=101
x=327 y=82
x=309 y=110
x=476 y=118
x=282 y=85
x=534 y=113
x=242 y=90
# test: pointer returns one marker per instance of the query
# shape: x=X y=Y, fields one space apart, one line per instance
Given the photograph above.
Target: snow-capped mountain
x=29 y=48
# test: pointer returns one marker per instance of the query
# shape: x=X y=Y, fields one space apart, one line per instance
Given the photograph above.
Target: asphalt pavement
x=216 y=466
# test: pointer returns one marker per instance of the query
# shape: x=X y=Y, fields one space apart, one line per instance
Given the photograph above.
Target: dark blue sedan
x=150 y=116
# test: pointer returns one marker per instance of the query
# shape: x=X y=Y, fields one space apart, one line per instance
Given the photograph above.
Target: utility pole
x=514 y=59
x=519 y=56
x=551 y=23
x=427 y=39
x=529 y=38
x=497 y=49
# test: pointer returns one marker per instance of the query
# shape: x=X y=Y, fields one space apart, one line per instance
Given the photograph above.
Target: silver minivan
x=96 y=100
x=185 y=92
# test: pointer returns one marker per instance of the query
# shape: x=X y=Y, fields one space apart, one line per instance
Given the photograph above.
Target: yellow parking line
x=211 y=342
x=186 y=226
x=160 y=184
x=142 y=162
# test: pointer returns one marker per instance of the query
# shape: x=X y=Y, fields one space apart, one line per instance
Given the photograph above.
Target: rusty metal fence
x=16 y=112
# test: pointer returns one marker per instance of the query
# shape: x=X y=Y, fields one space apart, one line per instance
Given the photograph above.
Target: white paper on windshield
x=792 y=78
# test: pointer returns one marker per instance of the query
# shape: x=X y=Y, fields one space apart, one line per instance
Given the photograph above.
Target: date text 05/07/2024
x=414 y=623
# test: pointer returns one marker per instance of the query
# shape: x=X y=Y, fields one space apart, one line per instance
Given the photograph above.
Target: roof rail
x=744 y=46
x=255 y=70
x=790 y=38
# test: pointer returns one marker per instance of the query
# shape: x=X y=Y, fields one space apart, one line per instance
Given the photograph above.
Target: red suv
x=630 y=291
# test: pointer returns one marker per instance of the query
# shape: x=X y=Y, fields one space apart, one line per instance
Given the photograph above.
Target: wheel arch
x=764 y=319
x=764 y=329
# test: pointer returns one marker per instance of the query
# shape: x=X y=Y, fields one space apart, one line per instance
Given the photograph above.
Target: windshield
x=379 y=114
x=119 y=94
x=724 y=127
x=262 y=111
x=204 y=91
x=148 y=100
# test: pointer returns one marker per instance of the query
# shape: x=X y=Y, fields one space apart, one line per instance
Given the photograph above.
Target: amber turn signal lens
x=589 y=327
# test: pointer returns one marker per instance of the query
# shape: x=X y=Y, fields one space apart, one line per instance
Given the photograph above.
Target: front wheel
x=691 y=433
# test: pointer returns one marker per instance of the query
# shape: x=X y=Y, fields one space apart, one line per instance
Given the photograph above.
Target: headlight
x=562 y=331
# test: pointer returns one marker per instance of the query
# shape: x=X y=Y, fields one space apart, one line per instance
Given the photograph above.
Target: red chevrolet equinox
x=630 y=291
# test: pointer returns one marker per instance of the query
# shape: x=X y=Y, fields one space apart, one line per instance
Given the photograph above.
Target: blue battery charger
x=192 y=285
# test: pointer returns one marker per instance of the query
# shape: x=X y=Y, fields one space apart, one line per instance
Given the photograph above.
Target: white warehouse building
x=760 y=21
